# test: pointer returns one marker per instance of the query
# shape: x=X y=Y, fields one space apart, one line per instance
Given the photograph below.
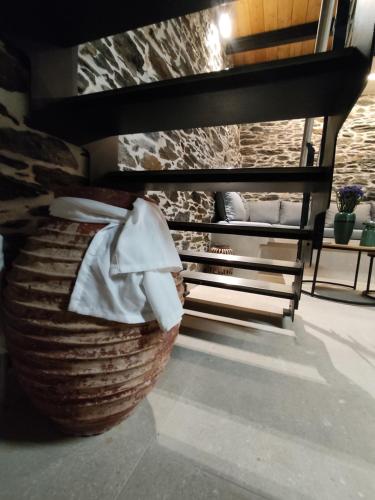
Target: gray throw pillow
x=264 y=211
x=290 y=213
x=330 y=215
x=220 y=213
x=363 y=214
x=234 y=207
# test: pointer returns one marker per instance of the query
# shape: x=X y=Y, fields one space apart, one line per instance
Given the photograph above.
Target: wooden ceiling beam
x=292 y=34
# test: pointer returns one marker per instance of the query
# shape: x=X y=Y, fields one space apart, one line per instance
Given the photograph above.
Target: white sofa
x=278 y=213
x=232 y=209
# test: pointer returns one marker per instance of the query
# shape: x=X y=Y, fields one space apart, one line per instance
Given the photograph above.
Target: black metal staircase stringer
x=321 y=201
x=306 y=198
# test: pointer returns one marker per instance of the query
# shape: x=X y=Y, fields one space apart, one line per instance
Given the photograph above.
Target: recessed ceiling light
x=225 y=25
x=371 y=76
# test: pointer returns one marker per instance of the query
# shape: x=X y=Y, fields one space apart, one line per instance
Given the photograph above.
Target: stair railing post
x=321 y=44
x=320 y=201
x=305 y=249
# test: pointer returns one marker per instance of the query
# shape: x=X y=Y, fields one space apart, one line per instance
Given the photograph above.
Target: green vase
x=368 y=235
x=343 y=227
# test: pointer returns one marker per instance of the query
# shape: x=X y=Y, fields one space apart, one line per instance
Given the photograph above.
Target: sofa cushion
x=290 y=213
x=362 y=211
x=251 y=224
x=245 y=223
x=330 y=215
x=264 y=211
x=230 y=206
x=329 y=233
x=285 y=226
x=363 y=214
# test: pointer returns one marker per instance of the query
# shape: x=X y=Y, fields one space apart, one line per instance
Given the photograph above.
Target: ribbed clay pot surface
x=86 y=374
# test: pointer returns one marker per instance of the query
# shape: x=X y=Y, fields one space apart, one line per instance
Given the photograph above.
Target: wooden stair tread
x=299 y=87
x=240 y=284
x=271 y=179
x=266 y=232
x=243 y=262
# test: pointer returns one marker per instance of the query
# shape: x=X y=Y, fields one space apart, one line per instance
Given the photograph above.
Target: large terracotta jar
x=86 y=374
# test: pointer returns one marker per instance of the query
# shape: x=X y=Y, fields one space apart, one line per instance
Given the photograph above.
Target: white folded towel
x=125 y=274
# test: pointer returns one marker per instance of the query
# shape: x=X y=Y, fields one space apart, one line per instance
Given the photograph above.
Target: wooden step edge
x=240 y=230
x=241 y=284
x=196 y=308
x=256 y=264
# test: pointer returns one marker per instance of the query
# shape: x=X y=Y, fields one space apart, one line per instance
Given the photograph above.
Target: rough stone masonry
x=179 y=47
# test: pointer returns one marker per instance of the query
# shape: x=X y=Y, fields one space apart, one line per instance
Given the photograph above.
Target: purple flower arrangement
x=348 y=197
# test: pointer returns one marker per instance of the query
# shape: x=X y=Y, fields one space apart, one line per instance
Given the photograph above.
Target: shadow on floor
x=330 y=411
x=357 y=347
x=19 y=420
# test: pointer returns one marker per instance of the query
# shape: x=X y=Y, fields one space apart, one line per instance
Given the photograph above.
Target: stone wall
x=179 y=47
x=191 y=45
x=183 y=149
x=182 y=46
x=279 y=144
x=355 y=155
x=32 y=164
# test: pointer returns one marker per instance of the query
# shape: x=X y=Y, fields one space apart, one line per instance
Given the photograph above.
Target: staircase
x=306 y=86
x=73 y=22
x=250 y=263
x=290 y=292
x=324 y=84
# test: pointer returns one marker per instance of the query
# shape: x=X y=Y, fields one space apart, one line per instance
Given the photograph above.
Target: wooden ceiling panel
x=284 y=19
x=241 y=28
x=270 y=24
x=256 y=15
x=259 y=16
x=298 y=17
x=313 y=11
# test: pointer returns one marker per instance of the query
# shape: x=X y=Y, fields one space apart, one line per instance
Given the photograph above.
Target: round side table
x=368 y=291
x=350 y=247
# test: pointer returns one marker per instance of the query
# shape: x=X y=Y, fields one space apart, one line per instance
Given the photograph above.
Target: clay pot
x=222 y=250
x=86 y=374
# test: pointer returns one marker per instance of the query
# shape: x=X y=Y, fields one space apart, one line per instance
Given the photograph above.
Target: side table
x=368 y=291
x=346 y=248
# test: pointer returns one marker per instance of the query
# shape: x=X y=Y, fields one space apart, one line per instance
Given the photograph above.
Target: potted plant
x=347 y=198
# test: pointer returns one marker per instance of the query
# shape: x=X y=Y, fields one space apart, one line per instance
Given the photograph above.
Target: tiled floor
x=240 y=413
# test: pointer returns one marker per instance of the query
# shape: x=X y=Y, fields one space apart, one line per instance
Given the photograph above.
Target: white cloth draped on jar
x=125 y=274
